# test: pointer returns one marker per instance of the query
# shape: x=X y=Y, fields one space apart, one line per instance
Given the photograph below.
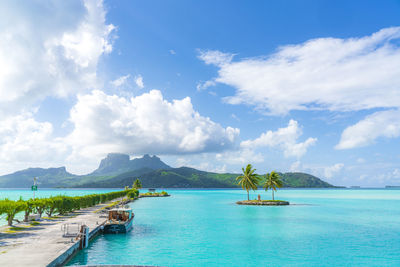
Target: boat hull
x=118 y=228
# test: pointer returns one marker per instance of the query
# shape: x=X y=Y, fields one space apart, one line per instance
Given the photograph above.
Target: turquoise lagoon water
x=206 y=228
x=15 y=194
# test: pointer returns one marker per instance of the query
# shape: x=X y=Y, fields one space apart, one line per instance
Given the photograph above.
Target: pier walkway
x=40 y=245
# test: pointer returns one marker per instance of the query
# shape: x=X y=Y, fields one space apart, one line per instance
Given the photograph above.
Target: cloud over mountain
x=27 y=142
x=144 y=124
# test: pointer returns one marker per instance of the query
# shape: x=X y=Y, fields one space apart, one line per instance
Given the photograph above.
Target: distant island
x=118 y=171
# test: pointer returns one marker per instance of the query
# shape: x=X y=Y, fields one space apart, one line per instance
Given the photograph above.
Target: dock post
x=84 y=237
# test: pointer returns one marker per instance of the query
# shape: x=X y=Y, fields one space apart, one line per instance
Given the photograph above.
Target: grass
x=55 y=217
x=34 y=223
x=16 y=229
x=49 y=218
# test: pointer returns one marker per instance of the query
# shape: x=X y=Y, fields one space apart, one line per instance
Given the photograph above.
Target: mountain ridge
x=185 y=177
x=117 y=170
x=119 y=163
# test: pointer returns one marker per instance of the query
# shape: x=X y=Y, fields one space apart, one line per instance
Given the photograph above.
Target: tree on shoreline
x=273 y=182
x=11 y=208
x=249 y=180
x=137 y=184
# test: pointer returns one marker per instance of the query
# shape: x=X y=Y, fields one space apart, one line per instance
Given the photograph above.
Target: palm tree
x=273 y=181
x=249 y=180
x=137 y=184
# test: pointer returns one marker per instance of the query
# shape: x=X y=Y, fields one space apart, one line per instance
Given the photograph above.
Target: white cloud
x=172 y=52
x=204 y=164
x=25 y=142
x=53 y=52
x=360 y=160
x=379 y=124
x=396 y=173
x=384 y=177
x=325 y=73
x=321 y=171
x=144 y=124
x=215 y=57
x=139 y=81
x=330 y=171
x=121 y=81
x=235 y=117
x=240 y=156
x=204 y=85
x=296 y=166
x=284 y=139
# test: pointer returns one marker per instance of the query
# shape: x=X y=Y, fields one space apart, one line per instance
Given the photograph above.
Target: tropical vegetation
x=272 y=181
x=154 y=194
x=58 y=204
x=137 y=184
x=249 y=180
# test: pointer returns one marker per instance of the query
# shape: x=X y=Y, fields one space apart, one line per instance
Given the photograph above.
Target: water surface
x=206 y=228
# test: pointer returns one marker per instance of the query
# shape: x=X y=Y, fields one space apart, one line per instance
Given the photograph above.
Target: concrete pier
x=44 y=244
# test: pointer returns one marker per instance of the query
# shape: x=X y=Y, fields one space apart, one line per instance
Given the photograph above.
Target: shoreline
x=43 y=244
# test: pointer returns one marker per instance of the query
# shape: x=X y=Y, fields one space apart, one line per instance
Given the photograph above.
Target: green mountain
x=47 y=177
x=299 y=179
x=114 y=164
x=117 y=170
x=191 y=178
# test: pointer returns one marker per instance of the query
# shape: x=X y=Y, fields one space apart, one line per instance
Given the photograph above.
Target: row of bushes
x=58 y=204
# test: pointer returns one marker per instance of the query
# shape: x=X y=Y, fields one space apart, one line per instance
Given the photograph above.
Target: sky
x=307 y=86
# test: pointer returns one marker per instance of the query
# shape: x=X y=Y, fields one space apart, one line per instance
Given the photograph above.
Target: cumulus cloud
x=379 y=124
x=144 y=124
x=53 y=52
x=325 y=73
x=284 y=139
x=139 y=81
x=26 y=142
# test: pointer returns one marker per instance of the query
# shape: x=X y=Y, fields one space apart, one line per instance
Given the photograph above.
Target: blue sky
x=311 y=86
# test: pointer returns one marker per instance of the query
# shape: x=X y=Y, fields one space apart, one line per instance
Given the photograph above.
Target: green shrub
x=60 y=204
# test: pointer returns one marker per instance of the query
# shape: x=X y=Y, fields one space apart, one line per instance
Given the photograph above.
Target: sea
x=321 y=227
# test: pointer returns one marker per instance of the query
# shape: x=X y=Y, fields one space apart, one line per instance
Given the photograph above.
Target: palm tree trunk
x=248 y=195
x=273 y=194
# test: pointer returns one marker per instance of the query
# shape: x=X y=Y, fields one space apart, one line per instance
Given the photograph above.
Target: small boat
x=120 y=220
